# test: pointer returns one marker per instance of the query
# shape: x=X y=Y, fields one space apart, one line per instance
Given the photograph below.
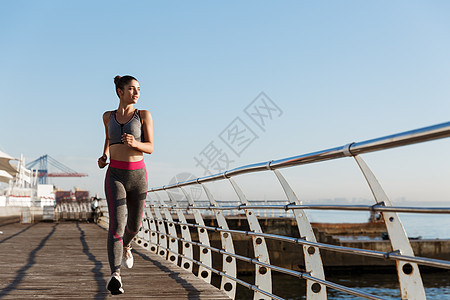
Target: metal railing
x=73 y=211
x=167 y=232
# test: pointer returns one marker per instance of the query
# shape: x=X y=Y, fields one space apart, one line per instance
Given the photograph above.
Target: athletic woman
x=129 y=134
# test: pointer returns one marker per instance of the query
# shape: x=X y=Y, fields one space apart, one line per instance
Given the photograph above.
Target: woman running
x=129 y=134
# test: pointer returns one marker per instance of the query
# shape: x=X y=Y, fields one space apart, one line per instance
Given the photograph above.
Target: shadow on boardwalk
x=193 y=293
x=96 y=269
x=69 y=261
x=22 y=272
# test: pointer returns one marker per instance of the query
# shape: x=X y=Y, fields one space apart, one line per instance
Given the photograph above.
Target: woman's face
x=131 y=92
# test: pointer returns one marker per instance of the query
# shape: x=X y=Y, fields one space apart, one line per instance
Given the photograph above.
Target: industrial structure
x=27 y=183
x=43 y=172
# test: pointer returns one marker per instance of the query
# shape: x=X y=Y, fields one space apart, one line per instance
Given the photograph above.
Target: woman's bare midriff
x=124 y=153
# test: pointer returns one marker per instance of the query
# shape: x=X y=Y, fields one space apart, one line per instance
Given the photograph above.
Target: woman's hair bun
x=121 y=81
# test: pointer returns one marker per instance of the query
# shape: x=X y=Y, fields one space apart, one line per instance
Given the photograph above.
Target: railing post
x=228 y=262
x=205 y=253
x=313 y=260
x=186 y=235
x=162 y=239
x=151 y=223
x=263 y=275
x=173 y=242
x=411 y=286
x=145 y=233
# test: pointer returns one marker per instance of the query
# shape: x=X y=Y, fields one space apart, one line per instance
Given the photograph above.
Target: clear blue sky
x=340 y=71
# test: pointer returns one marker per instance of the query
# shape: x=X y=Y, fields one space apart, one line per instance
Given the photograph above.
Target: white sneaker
x=114 y=284
x=127 y=259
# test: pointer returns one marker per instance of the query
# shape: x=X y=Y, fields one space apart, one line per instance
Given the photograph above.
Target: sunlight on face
x=131 y=92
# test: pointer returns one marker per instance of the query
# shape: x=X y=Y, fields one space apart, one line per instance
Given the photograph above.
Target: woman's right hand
x=102 y=161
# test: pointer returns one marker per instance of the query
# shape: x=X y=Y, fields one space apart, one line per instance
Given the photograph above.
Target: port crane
x=41 y=165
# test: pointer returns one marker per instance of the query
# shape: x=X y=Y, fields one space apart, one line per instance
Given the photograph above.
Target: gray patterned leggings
x=126 y=191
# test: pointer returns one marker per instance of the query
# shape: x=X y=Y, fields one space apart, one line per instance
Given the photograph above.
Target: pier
x=68 y=260
x=192 y=247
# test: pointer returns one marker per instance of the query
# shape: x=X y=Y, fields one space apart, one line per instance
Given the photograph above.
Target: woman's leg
x=136 y=195
x=116 y=198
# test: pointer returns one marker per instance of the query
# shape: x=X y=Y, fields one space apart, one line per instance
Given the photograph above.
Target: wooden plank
x=69 y=261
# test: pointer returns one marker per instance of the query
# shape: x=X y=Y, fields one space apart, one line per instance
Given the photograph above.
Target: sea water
x=384 y=285
x=426 y=226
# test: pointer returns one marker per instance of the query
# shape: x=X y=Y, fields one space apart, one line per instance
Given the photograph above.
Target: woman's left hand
x=128 y=139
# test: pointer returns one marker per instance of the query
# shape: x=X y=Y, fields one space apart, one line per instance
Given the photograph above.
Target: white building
x=22 y=189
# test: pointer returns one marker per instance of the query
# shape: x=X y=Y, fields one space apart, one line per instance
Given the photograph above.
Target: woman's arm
x=102 y=159
x=147 y=126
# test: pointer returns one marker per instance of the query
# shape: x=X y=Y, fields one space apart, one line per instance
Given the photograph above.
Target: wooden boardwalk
x=69 y=261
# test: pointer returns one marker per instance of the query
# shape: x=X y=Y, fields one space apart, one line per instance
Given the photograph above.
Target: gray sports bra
x=116 y=130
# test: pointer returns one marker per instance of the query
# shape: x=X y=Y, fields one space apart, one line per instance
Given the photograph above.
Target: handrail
x=302 y=275
x=372 y=253
x=402 y=209
x=159 y=235
x=391 y=141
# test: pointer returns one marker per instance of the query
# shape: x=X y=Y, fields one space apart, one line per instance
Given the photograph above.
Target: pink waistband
x=127 y=165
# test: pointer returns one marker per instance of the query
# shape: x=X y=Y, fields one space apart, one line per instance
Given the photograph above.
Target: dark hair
x=121 y=81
